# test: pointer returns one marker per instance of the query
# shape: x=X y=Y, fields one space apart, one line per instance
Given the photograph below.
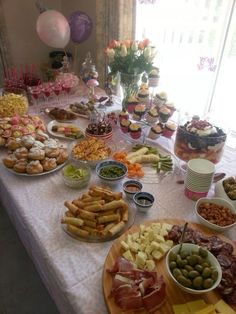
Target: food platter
x=54 y=123
x=36 y=174
x=173 y=295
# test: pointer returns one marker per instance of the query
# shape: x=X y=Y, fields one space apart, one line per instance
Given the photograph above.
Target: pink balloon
x=53 y=29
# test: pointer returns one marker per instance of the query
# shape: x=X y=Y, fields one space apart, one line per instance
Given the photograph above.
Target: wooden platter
x=173 y=294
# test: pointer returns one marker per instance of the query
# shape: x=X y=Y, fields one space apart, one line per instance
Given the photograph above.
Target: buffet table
x=70 y=269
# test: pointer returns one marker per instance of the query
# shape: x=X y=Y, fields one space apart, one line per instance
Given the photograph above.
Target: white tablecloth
x=70 y=269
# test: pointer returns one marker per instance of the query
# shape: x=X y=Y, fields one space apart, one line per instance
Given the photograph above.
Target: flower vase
x=129 y=84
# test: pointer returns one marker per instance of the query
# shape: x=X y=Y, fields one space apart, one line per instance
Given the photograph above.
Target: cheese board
x=173 y=295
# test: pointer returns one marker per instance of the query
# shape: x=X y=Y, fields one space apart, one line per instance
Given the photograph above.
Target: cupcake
x=135 y=130
x=164 y=114
x=153 y=78
x=169 y=129
x=155 y=131
x=152 y=115
x=160 y=99
x=171 y=107
x=124 y=124
x=123 y=115
x=132 y=102
x=143 y=95
x=139 y=111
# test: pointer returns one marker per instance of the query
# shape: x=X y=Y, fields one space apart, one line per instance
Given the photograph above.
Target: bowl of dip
x=132 y=187
x=143 y=201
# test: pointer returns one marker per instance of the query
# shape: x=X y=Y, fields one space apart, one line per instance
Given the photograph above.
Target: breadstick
x=90 y=223
x=87 y=215
x=92 y=199
x=103 y=232
x=91 y=230
x=68 y=214
x=94 y=208
x=117 y=228
x=125 y=214
x=78 y=203
x=107 y=212
x=72 y=208
x=78 y=231
x=72 y=221
x=104 y=219
x=115 y=204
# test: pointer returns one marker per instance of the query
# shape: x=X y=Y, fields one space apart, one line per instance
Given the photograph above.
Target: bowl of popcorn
x=12 y=104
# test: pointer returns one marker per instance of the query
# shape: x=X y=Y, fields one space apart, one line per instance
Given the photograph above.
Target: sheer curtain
x=190 y=37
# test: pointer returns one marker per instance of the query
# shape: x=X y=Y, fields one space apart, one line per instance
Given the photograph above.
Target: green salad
x=112 y=172
x=72 y=172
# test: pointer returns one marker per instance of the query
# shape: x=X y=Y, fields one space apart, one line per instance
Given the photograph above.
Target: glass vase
x=129 y=84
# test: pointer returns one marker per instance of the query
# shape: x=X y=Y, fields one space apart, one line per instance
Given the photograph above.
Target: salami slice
x=227 y=249
x=233 y=268
x=224 y=260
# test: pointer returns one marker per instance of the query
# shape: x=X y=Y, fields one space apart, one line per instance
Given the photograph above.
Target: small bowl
x=189 y=247
x=143 y=201
x=76 y=182
x=220 y=192
x=111 y=164
x=217 y=201
x=132 y=187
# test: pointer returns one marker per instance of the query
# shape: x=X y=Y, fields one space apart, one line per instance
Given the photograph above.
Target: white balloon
x=53 y=29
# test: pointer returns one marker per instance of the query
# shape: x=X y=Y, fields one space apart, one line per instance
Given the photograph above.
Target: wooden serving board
x=173 y=294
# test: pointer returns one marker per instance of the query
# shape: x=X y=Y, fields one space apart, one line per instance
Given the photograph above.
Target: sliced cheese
x=159 y=238
x=180 y=309
x=164 y=248
x=206 y=310
x=224 y=308
x=157 y=254
x=150 y=264
x=124 y=245
x=154 y=246
x=134 y=247
x=196 y=305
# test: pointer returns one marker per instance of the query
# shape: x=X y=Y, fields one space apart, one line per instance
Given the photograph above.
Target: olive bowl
x=115 y=171
x=211 y=259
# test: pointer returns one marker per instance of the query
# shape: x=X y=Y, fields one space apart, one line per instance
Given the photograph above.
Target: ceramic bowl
x=220 y=192
x=111 y=167
x=132 y=187
x=217 y=201
x=143 y=201
x=189 y=247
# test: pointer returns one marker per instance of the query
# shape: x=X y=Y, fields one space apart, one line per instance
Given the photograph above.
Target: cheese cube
x=167 y=226
x=196 y=305
x=140 y=259
x=164 y=248
x=135 y=236
x=163 y=232
x=170 y=243
x=128 y=255
x=223 y=307
x=181 y=309
x=159 y=238
x=129 y=239
x=206 y=310
x=151 y=235
x=156 y=225
x=155 y=245
x=142 y=228
x=157 y=254
x=148 y=249
x=150 y=265
x=124 y=245
x=134 y=247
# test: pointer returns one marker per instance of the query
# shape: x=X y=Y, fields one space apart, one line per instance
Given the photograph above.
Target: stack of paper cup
x=199 y=177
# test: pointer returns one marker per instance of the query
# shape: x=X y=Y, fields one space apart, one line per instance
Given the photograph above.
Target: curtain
x=5 y=59
x=114 y=20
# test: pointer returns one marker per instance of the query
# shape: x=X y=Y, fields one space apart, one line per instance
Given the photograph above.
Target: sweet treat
x=9 y=160
x=52 y=152
x=51 y=143
x=13 y=143
x=171 y=107
x=124 y=124
x=169 y=129
x=41 y=136
x=20 y=165
x=153 y=78
x=68 y=130
x=2 y=141
x=143 y=94
x=139 y=111
x=61 y=114
x=160 y=99
x=49 y=164
x=152 y=115
x=135 y=130
x=199 y=139
x=39 y=144
x=164 y=114
x=101 y=128
x=62 y=157
x=132 y=102
x=34 y=167
x=155 y=131
x=27 y=141
x=36 y=153
x=21 y=153
x=13 y=104
x=123 y=115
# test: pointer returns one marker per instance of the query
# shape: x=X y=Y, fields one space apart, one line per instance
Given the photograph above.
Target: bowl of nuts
x=216 y=213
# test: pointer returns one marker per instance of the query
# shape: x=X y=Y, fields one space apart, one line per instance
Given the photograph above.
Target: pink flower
x=127 y=43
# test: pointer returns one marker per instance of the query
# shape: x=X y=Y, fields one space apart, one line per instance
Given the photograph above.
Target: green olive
x=214 y=274
x=197 y=282
x=208 y=283
x=184 y=272
x=203 y=252
x=198 y=267
x=206 y=272
x=192 y=260
x=205 y=264
x=184 y=281
x=172 y=256
x=188 y=267
x=172 y=265
x=200 y=259
x=193 y=274
x=183 y=254
x=176 y=272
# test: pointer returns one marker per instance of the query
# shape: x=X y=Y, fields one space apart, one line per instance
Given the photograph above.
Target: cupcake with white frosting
x=169 y=129
x=152 y=115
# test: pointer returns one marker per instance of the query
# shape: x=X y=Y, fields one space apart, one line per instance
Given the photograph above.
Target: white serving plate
x=55 y=134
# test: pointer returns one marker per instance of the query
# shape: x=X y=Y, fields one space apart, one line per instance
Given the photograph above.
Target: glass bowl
x=188 y=146
x=89 y=149
x=76 y=175
x=106 y=171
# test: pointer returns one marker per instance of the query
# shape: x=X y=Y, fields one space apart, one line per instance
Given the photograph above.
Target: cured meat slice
x=227 y=249
x=121 y=265
x=130 y=302
x=120 y=281
x=154 y=299
x=224 y=260
x=233 y=268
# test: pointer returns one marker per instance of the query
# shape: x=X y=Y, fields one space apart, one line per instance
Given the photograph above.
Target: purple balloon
x=80 y=26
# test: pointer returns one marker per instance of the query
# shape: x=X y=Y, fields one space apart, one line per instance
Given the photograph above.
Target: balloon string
x=75 y=60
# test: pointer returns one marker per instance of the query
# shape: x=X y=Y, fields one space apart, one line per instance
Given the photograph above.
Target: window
x=196 y=44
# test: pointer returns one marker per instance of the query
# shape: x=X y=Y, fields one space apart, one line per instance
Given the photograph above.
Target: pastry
x=139 y=111
x=171 y=107
x=124 y=124
x=20 y=165
x=152 y=115
x=13 y=143
x=160 y=99
x=169 y=129
x=39 y=144
x=41 y=136
x=34 y=167
x=52 y=152
x=27 y=141
x=2 y=141
x=49 y=164
x=21 y=153
x=36 y=153
x=9 y=161
x=51 y=143
x=63 y=156
x=135 y=130
x=164 y=113
x=155 y=131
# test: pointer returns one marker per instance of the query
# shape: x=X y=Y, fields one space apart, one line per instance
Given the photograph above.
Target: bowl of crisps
x=91 y=150
x=13 y=102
